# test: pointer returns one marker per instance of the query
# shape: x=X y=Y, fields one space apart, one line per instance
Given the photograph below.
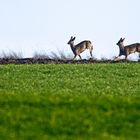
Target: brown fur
x=79 y=48
x=129 y=49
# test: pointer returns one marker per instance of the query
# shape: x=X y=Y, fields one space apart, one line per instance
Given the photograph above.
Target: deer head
x=71 y=41
x=120 y=42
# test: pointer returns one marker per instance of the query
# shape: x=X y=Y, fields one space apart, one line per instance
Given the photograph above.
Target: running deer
x=129 y=49
x=79 y=48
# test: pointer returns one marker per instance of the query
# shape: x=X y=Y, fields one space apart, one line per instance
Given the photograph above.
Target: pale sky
x=30 y=26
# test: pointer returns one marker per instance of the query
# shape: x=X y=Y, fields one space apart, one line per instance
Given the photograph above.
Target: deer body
x=129 y=49
x=79 y=48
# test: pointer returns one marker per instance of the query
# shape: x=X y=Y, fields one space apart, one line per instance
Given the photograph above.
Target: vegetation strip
x=63 y=102
x=59 y=61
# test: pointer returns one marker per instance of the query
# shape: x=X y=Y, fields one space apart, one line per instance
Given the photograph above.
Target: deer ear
x=74 y=38
x=123 y=39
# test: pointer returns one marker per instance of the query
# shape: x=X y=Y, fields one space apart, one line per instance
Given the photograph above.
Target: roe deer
x=79 y=48
x=126 y=50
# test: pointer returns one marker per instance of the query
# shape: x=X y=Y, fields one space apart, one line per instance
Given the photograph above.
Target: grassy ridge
x=98 y=101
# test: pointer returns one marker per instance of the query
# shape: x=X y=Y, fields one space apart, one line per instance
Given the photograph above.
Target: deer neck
x=122 y=50
x=72 y=47
x=122 y=46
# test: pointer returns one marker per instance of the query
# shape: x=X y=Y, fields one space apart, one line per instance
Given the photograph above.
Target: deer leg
x=80 y=56
x=139 y=58
x=91 y=52
x=125 y=57
x=74 y=57
x=116 y=58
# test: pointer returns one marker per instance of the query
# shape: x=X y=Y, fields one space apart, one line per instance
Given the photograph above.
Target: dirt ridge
x=59 y=61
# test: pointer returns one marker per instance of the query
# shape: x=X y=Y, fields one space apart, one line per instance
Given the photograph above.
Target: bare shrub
x=12 y=55
x=60 y=56
x=41 y=56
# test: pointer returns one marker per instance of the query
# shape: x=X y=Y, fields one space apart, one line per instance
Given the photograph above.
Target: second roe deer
x=79 y=48
x=129 y=49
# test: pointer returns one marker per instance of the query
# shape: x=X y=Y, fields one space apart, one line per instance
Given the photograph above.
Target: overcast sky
x=30 y=26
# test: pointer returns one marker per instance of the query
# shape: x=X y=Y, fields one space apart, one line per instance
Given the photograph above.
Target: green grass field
x=70 y=102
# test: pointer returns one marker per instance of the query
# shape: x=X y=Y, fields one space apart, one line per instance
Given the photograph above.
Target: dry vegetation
x=53 y=58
